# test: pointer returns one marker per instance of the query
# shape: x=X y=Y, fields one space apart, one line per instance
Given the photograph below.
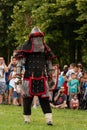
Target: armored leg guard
x=48 y=117
x=27 y=119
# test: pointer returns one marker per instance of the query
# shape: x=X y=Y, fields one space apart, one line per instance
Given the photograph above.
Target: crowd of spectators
x=10 y=92
x=71 y=90
x=72 y=80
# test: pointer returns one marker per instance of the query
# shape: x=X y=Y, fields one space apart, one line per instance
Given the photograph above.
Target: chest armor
x=35 y=64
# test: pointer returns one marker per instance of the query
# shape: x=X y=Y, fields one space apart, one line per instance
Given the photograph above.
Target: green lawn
x=11 y=118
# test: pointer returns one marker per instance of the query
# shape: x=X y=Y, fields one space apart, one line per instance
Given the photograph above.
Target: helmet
x=36 y=32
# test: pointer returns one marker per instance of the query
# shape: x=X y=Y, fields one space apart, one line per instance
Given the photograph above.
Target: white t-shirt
x=79 y=75
x=69 y=72
x=2 y=73
x=74 y=101
x=16 y=87
x=12 y=81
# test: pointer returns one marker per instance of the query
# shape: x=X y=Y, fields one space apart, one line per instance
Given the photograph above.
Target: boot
x=48 y=117
x=27 y=119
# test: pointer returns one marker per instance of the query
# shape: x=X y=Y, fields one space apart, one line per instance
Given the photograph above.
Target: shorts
x=7 y=87
x=15 y=94
x=2 y=87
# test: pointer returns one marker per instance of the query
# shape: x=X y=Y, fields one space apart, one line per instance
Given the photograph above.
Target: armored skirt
x=35 y=80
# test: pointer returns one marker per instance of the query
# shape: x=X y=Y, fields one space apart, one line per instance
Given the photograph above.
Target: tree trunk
x=79 y=53
x=8 y=59
x=72 y=52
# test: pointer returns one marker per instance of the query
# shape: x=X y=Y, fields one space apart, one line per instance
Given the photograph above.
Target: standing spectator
x=14 y=53
x=3 y=69
x=12 y=77
x=74 y=68
x=35 y=101
x=79 y=77
x=73 y=86
x=17 y=92
x=83 y=84
x=80 y=72
x=65 y=69
x=11 y=66
x=65 y=80
x=71 y=69
x=61 y=80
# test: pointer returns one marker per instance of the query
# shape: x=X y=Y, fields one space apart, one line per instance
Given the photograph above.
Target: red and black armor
x=37 y=58
x=37 y=63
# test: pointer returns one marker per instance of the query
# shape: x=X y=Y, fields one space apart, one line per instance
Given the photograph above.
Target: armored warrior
x=37 y=58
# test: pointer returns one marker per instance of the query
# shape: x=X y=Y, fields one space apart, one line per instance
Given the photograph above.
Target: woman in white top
x=3 y=69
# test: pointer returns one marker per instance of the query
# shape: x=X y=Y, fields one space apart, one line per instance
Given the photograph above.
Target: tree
x=22 y=19
x=82 y=19
x=6 y=37
x=57 y=18
x=82 y=30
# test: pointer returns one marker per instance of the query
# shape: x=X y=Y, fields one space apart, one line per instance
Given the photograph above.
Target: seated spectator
x=74 y=102
x=60 y=99
x=61 y=80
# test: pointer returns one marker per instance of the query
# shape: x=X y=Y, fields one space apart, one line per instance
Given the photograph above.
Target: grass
x=11 y=118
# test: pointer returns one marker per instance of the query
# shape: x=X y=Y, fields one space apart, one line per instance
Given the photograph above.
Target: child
x=17 y=92
x=74 y=102
x=12 y=77
x=73 y=86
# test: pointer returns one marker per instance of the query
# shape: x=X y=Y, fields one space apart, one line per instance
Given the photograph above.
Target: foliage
x=6 y=36
x=58 y=20
x=22 y=20
x=64 y=23
x=82 y=18
x=82 y=30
